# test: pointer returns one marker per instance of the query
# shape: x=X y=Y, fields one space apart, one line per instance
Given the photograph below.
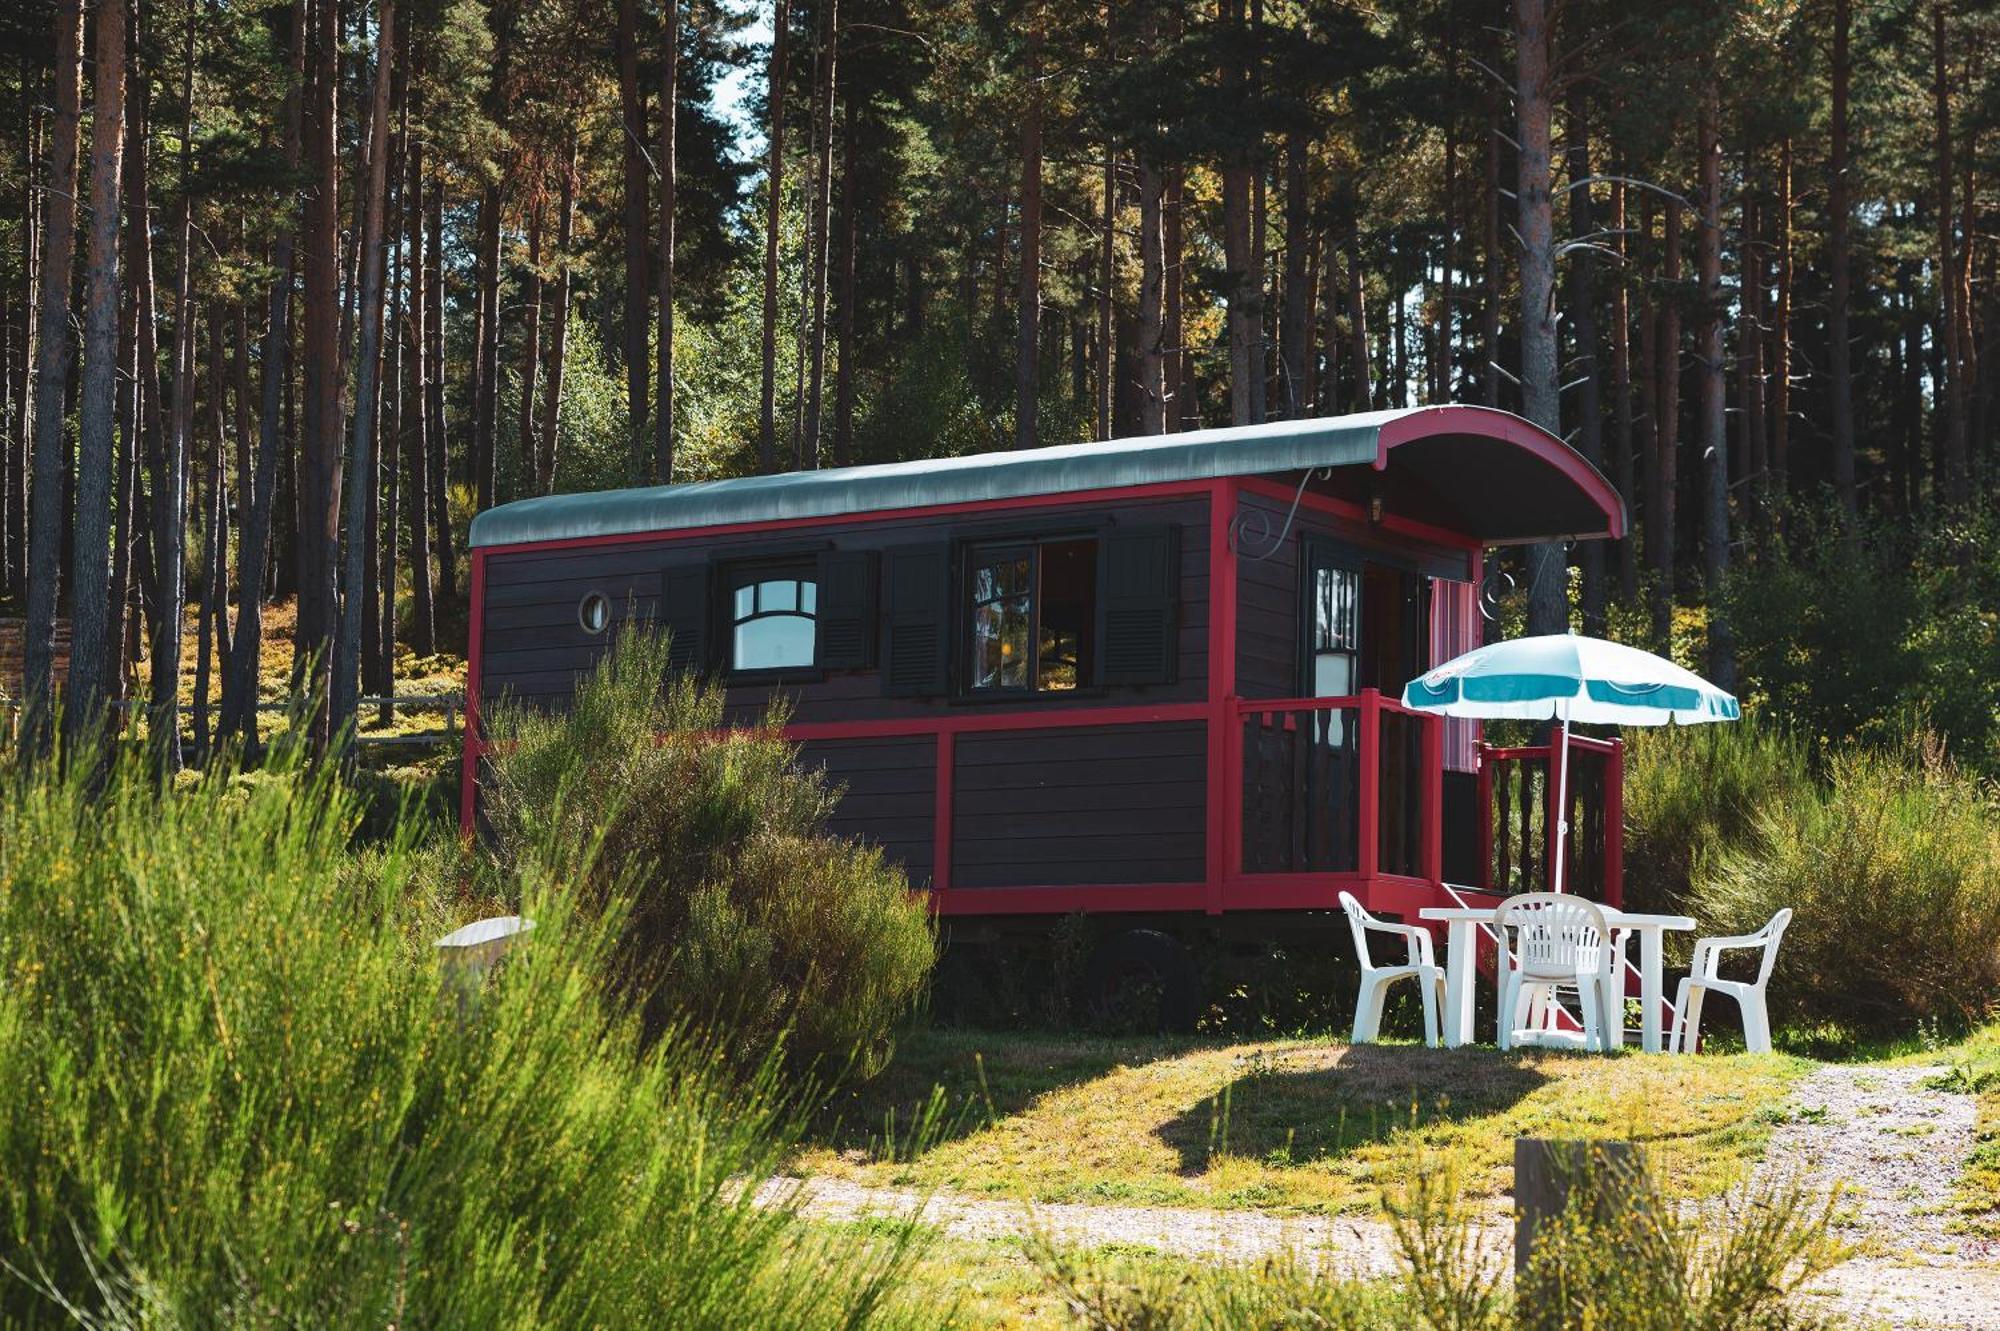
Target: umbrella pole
x=1562 y=801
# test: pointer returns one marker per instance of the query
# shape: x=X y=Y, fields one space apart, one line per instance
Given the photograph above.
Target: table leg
x=1461 y=946
x=1651 y=965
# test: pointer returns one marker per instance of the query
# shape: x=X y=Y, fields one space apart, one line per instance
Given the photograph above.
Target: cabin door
x=1365 y=625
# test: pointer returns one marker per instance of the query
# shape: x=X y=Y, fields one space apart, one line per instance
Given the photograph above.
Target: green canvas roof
x=1501 y=478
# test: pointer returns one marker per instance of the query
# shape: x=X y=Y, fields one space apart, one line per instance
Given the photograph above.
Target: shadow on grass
x=945 y=1084
x=1295 y=1110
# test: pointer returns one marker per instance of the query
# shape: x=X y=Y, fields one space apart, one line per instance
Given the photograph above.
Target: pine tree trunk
x=1664 y=534
x=170 y=483
x=531 y=344
x=1548 y=592
x=632 y=110
x=1954 y=400
x=1840 y=263
x=663 y=258
x=1621 y=391
x=1714 y=400
x=821 y=231
x=125 y=480
x=1582 y=322
x=1357 y=319
x=440 y=439
x=346 y=682
x=1177 y=381
x=843 y=385
x=423 y=605
x=1241 y=279
x=1294 y=329
x=1750 y=351
x=1107 y=277
x=318 y=489
x=52 y=379
x=1489 y=332
x=774 y=186
x=1028 y=299
x=1153 y=401
x=90 y=569
x=1781 y=334
x=544 y=470
x=239 y=708
x=1327 y=399
x=486 y=352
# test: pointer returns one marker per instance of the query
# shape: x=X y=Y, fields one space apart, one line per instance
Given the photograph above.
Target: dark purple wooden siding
x=1099 y=804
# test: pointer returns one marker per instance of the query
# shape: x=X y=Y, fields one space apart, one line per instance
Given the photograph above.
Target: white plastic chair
x=1553 y=941
x=1703 y=976
x=1375 y=980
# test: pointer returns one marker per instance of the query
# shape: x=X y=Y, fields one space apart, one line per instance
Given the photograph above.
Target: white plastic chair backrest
x=1358 y=919
x=1772 y=933
x=1557 y=935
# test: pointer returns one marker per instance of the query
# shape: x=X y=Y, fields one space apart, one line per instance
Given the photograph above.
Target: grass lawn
x=1287 y=1125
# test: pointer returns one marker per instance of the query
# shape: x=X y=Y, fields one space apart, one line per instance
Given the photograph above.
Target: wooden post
x=1614 y=826
x=1546 y=1171
x=1485 y=783
x=1433 y=825
x=1368 y=854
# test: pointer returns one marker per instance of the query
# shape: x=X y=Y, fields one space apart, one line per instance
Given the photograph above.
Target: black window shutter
x=846 y=610
x=1137 y=599
x=684 y=613
x=917 y=622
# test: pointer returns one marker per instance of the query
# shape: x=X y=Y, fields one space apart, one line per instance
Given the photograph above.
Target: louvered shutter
x=846 y=610
x=917 y=621
x=684 y=613
x=1137 y=597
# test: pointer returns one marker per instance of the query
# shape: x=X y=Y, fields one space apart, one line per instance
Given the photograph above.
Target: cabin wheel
x=1142 y=978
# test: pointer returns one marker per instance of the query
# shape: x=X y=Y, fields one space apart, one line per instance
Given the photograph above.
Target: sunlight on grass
x=1296 y=1125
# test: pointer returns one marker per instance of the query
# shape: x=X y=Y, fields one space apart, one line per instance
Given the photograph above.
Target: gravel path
x=1360 y=1247
x=1895 y=1144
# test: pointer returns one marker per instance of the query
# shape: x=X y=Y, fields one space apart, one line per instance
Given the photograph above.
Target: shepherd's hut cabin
x=1153 y=678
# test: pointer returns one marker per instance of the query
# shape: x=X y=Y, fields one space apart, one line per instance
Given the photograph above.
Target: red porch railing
x=1517 y=818
x=1347 y=786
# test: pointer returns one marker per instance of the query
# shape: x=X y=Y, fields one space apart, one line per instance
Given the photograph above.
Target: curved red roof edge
x=1505 y=426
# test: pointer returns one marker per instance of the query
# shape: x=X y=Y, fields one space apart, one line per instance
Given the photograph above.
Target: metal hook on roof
x=1251 y=527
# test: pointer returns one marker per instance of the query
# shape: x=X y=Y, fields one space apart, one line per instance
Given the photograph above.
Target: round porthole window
x=593 y=612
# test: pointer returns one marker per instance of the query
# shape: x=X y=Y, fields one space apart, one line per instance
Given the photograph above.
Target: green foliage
x=236 y=1092
x=737 y=902
x=1853 y=637
x=1692 y=794
x=1894 y=870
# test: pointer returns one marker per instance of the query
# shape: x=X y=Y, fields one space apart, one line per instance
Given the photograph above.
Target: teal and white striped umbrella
x=1564 y=677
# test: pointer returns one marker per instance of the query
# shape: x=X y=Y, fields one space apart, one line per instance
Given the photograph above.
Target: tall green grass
x=234 y=1092
x=1893 y=868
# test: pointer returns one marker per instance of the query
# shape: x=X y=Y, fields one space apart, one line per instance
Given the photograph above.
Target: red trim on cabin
x=469 y=762
x=1509 y=428
x=960 y=722
x=1305 y=891
x=1157 y=490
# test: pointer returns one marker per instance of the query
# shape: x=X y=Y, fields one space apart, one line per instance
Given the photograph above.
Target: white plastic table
x=1462 y=952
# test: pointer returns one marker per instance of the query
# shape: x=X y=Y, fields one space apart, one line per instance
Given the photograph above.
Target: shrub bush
x=740 y=906
x=1694 y=793
x=1894 y=870
x=233 y=1095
